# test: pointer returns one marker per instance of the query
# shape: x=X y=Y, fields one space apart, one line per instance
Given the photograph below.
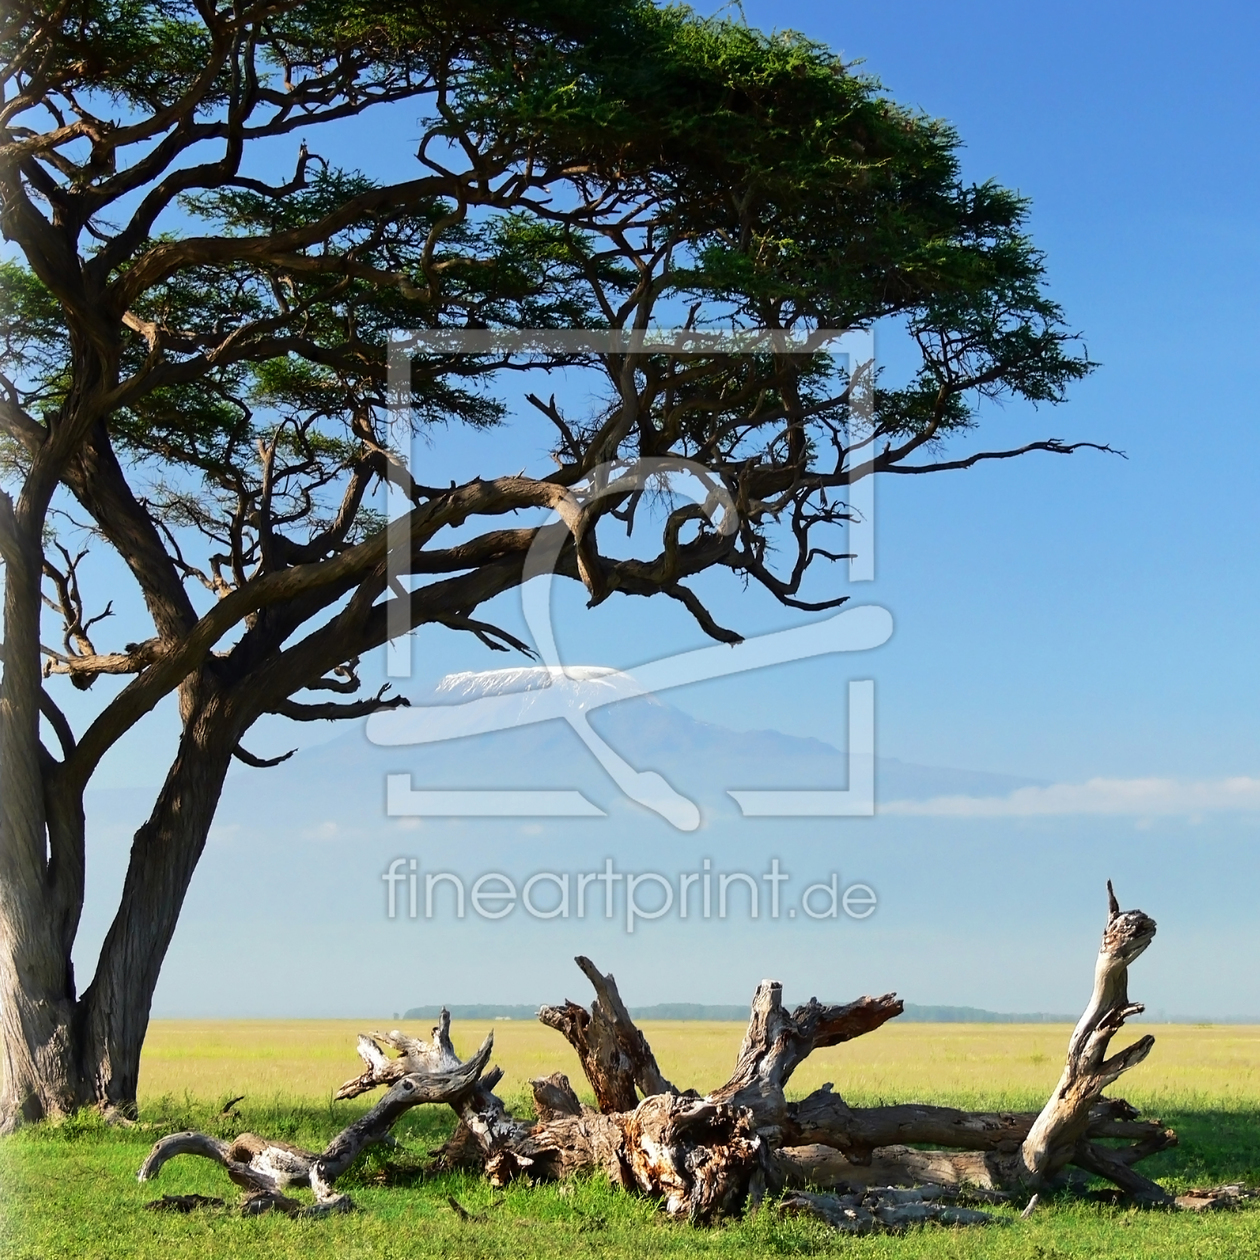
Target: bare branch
x=1053 y=445
x=134 y=660
x=494 y=637
x=693 y=604
x=260 y=763
x=69 y=604
x=57 y=720
x=333 y=711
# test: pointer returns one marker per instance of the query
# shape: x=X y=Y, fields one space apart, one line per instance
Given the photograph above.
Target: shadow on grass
x=1214 y=1146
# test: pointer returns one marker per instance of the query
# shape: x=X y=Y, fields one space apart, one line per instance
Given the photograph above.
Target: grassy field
x=964 y=1064
x=70 y=1189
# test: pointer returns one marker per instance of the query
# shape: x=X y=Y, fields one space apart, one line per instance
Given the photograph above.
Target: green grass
x=69 y=1189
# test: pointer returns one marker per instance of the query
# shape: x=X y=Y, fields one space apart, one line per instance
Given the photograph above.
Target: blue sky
x=1065 y=618
x=1057 y=619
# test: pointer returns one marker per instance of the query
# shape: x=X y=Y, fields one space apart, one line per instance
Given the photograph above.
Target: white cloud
x=1136 y=797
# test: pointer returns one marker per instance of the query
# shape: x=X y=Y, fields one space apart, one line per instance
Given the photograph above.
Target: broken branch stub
x=614 y=1054
x=776 y=1043
x=554 y=1097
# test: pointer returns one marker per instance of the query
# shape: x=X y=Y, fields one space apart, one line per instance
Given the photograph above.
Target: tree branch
x=260 y=763
x=691 y=601
x=83 y=669
x=57 y=720
x=1053 y=445
x=334 y=711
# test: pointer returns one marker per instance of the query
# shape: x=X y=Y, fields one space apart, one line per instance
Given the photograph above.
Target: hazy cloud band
x=1136 y=797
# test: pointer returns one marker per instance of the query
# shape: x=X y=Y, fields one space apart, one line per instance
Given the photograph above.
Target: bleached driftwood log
x=266 y=1168
x=703 y=1157
x=707 y=1157
x=885 y=1209
x=837 y=1146
x=821 y=1140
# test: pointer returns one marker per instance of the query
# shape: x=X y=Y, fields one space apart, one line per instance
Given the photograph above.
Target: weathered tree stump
x=707 y=1157
x=1057 y=1135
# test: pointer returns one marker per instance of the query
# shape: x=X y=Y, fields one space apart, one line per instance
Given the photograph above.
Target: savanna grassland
x=70 y=1190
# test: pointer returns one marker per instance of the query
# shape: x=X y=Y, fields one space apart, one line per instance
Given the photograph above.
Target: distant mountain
x=338 y=787
x=974 y=1015
x=449 y=742
x=297 y=854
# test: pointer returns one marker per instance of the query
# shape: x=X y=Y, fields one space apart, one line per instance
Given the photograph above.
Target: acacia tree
x=196 y=362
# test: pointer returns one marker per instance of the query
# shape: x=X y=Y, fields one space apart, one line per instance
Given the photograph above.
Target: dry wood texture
x=1057 y=1132
x=614 y=1054
x=884 y=1209
x=708 y=1157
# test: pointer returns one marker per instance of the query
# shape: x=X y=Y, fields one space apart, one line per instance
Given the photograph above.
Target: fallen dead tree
x=711 y=1156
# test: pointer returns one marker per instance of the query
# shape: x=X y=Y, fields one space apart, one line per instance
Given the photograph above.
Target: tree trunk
x=113 y=1014
x=36 y=1013
x=36 y=985
x=60 y=1053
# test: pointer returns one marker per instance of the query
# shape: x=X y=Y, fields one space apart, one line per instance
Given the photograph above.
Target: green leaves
x=584 y=167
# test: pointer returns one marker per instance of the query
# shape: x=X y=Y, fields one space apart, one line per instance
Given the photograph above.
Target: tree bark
x=113 y=1014
x=36 y=986
x=1052 y=1141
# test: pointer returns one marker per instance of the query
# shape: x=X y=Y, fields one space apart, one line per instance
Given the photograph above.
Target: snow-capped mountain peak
x=472 y=684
